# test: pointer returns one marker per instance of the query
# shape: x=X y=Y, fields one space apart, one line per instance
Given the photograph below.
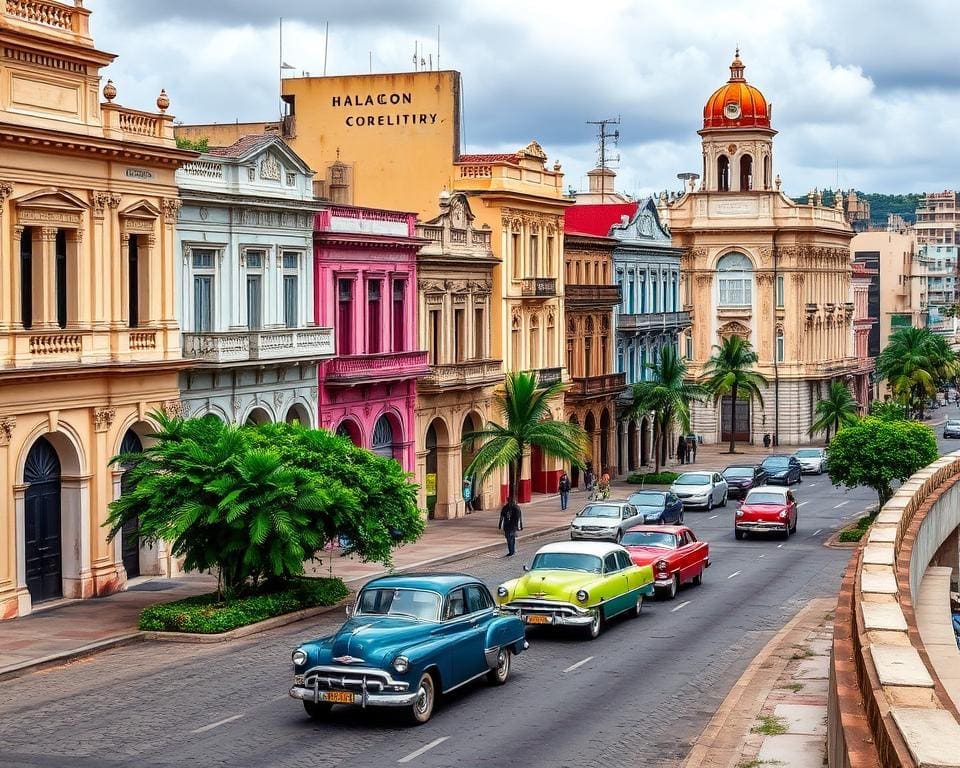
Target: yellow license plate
x=337 y=697
x=538 y=619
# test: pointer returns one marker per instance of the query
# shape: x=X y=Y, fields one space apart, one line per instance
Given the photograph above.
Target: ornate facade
x=455 y=284
x=89 y=343
x=245 y=278
x=757 y=265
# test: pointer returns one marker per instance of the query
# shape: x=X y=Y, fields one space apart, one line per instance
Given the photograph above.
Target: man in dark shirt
x=511 y=521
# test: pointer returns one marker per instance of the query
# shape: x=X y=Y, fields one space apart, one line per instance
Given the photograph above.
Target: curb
x=57 y=659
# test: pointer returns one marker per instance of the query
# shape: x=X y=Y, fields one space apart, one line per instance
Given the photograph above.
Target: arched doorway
x=130 y=533
x=297 y=415
x=574 y=470
x=383 y=441
x=632 y=445
x=590 y=427
x=430 y=480
x=42 y=524
x=349 y=429
x=605 y=442
x=468 y=449
x=644 y=442
x=256 y=417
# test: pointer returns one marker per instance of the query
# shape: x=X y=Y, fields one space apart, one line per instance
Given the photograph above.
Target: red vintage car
x=677 y=556
x=765 y=509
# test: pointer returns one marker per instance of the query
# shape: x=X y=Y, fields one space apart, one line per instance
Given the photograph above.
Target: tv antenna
x=603 y=136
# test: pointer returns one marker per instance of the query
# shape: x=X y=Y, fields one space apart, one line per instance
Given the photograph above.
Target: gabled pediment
x=142 y=209
x=645 y=225
x=53 y=198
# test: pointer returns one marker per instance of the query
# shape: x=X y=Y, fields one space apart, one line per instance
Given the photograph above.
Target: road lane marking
x=841 y=504
x=712 y=517
x=427 y=748
x=578 y=664
x=214 y=725
x=779 y=546
x=802 y=503
x=674 y=610
x=735 y=573
x=815 y=532
x=812 y=485
x=761 y=555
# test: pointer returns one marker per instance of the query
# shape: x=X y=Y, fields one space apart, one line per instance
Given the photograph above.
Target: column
x=16 y=321
x=171 y=209
x=45 y=278
x=78 y=276
x=7 y=259
x=150 y=281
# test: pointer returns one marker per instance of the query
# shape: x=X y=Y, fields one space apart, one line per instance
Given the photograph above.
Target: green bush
x=856 y=531
x=204 y=615
x=653 y=478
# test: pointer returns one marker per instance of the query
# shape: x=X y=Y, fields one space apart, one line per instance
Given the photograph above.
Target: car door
x=615 y=585
x=458 y=659
x=480 y=614
x=796 y=465
x=719 y=487
x=675 y=507
x=630 y=517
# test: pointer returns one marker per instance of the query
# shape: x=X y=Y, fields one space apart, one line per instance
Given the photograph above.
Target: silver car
x=605 y=520
x=811 y=459
x=701 y=489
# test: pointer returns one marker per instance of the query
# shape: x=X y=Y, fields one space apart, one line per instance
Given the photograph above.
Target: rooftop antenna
x=438 y=47
x=603 y=135
x=326 y=39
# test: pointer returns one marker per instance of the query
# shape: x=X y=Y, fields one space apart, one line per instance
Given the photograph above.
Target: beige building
x=759 y=266
x=455 y=283
x=938 y=219
x=89 y=344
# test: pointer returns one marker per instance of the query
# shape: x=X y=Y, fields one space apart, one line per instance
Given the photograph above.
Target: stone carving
x=7 y=425
x=173 y=408
x=481 y=286
x=798 y=278
x=431 y=286
x=457 y=286
x=765 y=278
x=646 y=226
x=733 y=328
x=278 y=397
x=103 y=417
x=170 y=207
x=270 y=168
x=6 y=189
x=551 y=318
x=704 y=279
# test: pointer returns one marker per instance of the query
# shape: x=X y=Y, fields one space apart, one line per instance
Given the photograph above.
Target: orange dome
x=736 y=104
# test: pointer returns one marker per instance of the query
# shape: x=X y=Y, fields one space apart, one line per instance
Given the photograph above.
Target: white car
x=701 y=489
x=811 y=459
x=605 y=520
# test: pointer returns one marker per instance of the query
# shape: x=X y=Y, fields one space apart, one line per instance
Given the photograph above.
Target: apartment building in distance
x=938 y=219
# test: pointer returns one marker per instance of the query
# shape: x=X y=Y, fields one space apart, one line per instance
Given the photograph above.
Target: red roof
x=243 y=145
x=596 y=219
x=489 y=158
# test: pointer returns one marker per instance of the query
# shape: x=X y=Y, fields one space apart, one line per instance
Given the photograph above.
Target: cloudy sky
x=864 y=91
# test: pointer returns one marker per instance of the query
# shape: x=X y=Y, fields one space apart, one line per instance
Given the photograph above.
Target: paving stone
x=883 y=616
x=821 y=647
x=793 y=750
x=882 y=534
x=932 y=735
x=900 y=665
x=878 y=554
x=804 y=719
x=816 y=668
x=878 y=578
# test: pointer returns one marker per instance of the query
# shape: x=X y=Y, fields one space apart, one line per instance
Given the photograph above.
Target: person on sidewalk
x=511 y=521
x=588 y=478
x=691 y=450
x=563 y=488
x=467 y=495
x=603 y=487
x=681 y=449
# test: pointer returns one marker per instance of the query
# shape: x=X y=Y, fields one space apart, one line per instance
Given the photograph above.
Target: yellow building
x=89 y=344
x=759 y=266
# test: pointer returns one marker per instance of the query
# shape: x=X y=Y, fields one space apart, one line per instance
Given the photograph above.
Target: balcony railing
x=469 y=373
x=548 y=376
x=136 y=126
x=654 y=321
x=238 y=346
x=594 y=386
x=538 y=286
x=601 y=294
x=353 y=369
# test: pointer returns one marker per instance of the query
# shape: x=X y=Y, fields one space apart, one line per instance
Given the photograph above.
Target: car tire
x=793 y=528
x=698 y=579
x=638 y=608
x=671 y=592
x=710 y=501
x=421 y=710
x=500 y=675
x=723 y=501
x=786 y=534
x=596 y=626
x=680 y=519
x=738 y=535
x=317 y=710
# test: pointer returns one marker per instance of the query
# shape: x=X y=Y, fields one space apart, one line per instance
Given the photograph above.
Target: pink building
x=861 y=280
x=366 y=289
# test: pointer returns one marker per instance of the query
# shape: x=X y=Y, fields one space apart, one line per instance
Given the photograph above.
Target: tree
x=254 y=503
x=874 y=453
x=198 y=145
x=915 y=363
x=729 y=370
x=889 y=410
x=667 y=396
x=525 y=412
x=839 y=409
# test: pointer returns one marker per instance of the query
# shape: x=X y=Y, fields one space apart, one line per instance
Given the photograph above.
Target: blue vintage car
x=409 y=638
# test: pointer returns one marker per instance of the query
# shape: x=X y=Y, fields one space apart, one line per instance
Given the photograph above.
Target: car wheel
x=638 y=608
x=421 y=710
x=698 y=579
x=671 y=591
x=317 y=710
x=786 y=533
x=723 y=501
x=499 y=675
x=680 y=520
x=710 y=501
x=793 y=528
x=596 y=626
x=738 y=535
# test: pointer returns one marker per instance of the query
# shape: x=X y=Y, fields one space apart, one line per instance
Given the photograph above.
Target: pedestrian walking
x=766 y=439
x=468 y=495
x=603 y=487
x=691 y=449
x=511 y=521
x=588 y=477
x=563 y=488
x=681 y=449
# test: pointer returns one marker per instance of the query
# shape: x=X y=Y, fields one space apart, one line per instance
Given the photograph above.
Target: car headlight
x=739 y=513
x=401 y=664
x=661 y=565
x=582 y=595
x=783 y=515
x=501 y=591
x=299 y=657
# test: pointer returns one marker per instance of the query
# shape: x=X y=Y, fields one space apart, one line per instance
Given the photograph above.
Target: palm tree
x=915 y=362
x=839 y=409
x=525 y=412
x=729 y=370
x=668 y=396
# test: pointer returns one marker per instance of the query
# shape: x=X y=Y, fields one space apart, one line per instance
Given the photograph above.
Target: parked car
x=676 y=555
x=742 y=477
x=767 y=509
x=701 y=489
x=781 y=468
x=409 y=638
x=811 y=459
x=658 y=506
x=577 y=584
x=604 y=520
x=951 y=428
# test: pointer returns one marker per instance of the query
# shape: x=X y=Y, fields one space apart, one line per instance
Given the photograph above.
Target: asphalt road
x=639 y=694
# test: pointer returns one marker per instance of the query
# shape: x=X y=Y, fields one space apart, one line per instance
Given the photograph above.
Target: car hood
x=551 y=585
x=603 y=522
x=776 y=471
x=739 y=480
x=690 y=488
x=648 y=509
x=761 y=511
x=364 y=638
x=648 y=555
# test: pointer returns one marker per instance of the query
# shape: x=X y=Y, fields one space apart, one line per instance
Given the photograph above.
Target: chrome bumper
x=761 y=526
x=688 y=502
x=662 y=584
x=577 y=533
x=359 y=699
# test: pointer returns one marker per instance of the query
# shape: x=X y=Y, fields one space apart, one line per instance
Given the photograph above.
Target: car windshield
x=566 y=561
x=412 y=603
x=649 y=539
x=738 y=472
x=776 y=461
x=692 y=478
x=764 y=497
x=953 y=422
x=647 y=499
x=600 y=510
x=808 y=453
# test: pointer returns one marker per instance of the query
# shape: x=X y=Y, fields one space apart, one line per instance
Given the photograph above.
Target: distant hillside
x=881 y=205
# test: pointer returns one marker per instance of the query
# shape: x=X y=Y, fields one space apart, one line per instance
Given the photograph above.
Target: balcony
x=360 y=369
x=653 y=322
x=136 y=126
x=593 y=294
x=538 y=286
x=548 y=376
x=597 y=386
x=469 y=373
x=243 y=346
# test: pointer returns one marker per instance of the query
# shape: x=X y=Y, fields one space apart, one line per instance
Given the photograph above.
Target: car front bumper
x=554 y=614
x=951 y=433
x=602 y=535
x=762 y=526
x=364 y=699
x=694 y=501
x=811 y=468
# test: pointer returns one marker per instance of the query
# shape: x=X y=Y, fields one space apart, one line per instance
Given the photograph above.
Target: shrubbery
x=856 y=531
x=653 y=478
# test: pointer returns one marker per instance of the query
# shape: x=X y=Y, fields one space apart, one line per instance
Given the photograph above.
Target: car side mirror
x=526 y=567
x=348 y=608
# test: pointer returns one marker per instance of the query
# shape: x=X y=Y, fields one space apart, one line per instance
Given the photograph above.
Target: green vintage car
x=577 y=584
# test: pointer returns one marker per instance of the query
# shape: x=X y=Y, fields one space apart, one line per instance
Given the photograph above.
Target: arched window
x=735 y=280
x=382 y=442
x=746 y=172
x=723 y=173
x=766 y=171
x=779 y=344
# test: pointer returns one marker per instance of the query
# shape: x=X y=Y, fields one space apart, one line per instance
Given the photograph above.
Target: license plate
x=337 y=697
x=537 y=619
